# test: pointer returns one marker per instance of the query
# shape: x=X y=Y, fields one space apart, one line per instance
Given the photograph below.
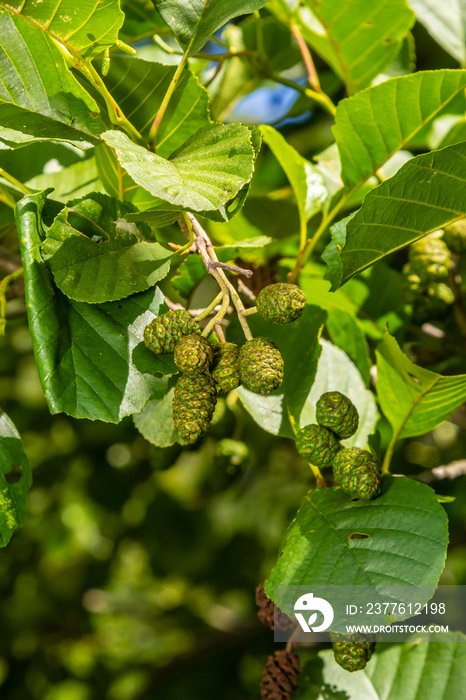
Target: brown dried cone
x=280 y=676
x=269 y=614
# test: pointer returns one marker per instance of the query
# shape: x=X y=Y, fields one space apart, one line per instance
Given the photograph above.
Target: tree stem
x=16 y=183
x=319 y=97
x=208 y=254
x=165 y=102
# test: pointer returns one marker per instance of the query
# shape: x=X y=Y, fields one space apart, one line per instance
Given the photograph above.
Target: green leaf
x=346 y=333
x=139 y=86
x=189 y=274
x=204 y=174
x=140 y=18
x=424 y=195
x=336 y=372
x=426 y=666
x=70 y=183
x=39 y=96
x=306 y=180
x=85 y=27
x=155 y=422
x=415 y=400
x=358 y=39
x=88 y=355
x=332 y=253
x=15 y=480
x=96 y=255
x=299 y=346
x=446 y=22
x=385 y=558
x=193 y=23
x=373 y=125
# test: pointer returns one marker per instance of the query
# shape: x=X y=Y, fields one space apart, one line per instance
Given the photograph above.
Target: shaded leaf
x=87 y=355
x=53 y=105
x=193 y=23
x=96 y=255
x=70 y=183
x=424 y=195
x=415 y=400
x=204 y=174
x=15 y=480
x=446 y=22
x=373 y=125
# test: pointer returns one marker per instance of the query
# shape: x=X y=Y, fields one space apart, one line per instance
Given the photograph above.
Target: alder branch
x=243 y=289
x=446 y=471
x=174 y=306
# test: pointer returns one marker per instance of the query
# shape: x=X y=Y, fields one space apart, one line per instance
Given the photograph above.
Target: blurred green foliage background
x=134 y=575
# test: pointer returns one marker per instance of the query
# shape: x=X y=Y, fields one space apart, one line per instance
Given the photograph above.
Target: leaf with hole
x=316 y=549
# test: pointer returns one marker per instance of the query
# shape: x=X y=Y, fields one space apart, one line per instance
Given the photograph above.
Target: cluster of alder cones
x=435 y=273
x=208 y=369
x=357 y=471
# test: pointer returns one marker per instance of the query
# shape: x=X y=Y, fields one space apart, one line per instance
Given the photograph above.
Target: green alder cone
x=261 y=365
x=430 y=259
x=317 y=445
x=165 y=331
x=193 y=353
x=193 y=405
x=412 y=285
x=455 y=236
x=337 y=413
x=358 y=473
x=434 y=304
x=225 y=370
x=425 y=301
x=231 y=454
x=281 y=303
x=352 y=654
